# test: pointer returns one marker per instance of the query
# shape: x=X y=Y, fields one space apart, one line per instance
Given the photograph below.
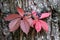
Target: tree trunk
x=53 y=22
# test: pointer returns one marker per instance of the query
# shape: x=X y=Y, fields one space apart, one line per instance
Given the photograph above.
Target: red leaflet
x=20 y=11
x=44 y=15
x=11 y=17
x=38 y=26
x=30 y=21
x=24 y=26
x=44 y=25
x=14 y=25
x=34 y=22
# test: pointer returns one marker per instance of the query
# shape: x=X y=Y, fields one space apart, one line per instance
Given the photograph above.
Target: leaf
x=38 y=26
x=34 y=22
x=20 y=11
x=30 y=21
x=11 y=17
x=14 y=25
x=44 y=25
x=44 y=15
x=24 y=26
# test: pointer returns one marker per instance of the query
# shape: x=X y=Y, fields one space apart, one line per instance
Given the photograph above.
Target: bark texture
x=8 y=6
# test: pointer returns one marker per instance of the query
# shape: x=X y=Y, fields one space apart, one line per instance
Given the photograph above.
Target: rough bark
x=53 y=33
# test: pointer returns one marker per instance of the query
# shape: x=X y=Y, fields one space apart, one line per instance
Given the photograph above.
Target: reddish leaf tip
x=11 y=17
x=38 y=26
x=24 y=26
x=20 y=11
x=45 y=15
x=44 y=25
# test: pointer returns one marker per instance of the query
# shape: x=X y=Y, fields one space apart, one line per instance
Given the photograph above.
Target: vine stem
x=33 y=32
x=21 y=35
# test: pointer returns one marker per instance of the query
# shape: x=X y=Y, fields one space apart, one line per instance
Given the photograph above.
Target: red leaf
x=24 y=26
x=44 y=25
x=38 y=26
x=11 y=17
x=14 y=25
x=30 y=21
x=20 y=11
x=44 y=15
x=34 y=23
